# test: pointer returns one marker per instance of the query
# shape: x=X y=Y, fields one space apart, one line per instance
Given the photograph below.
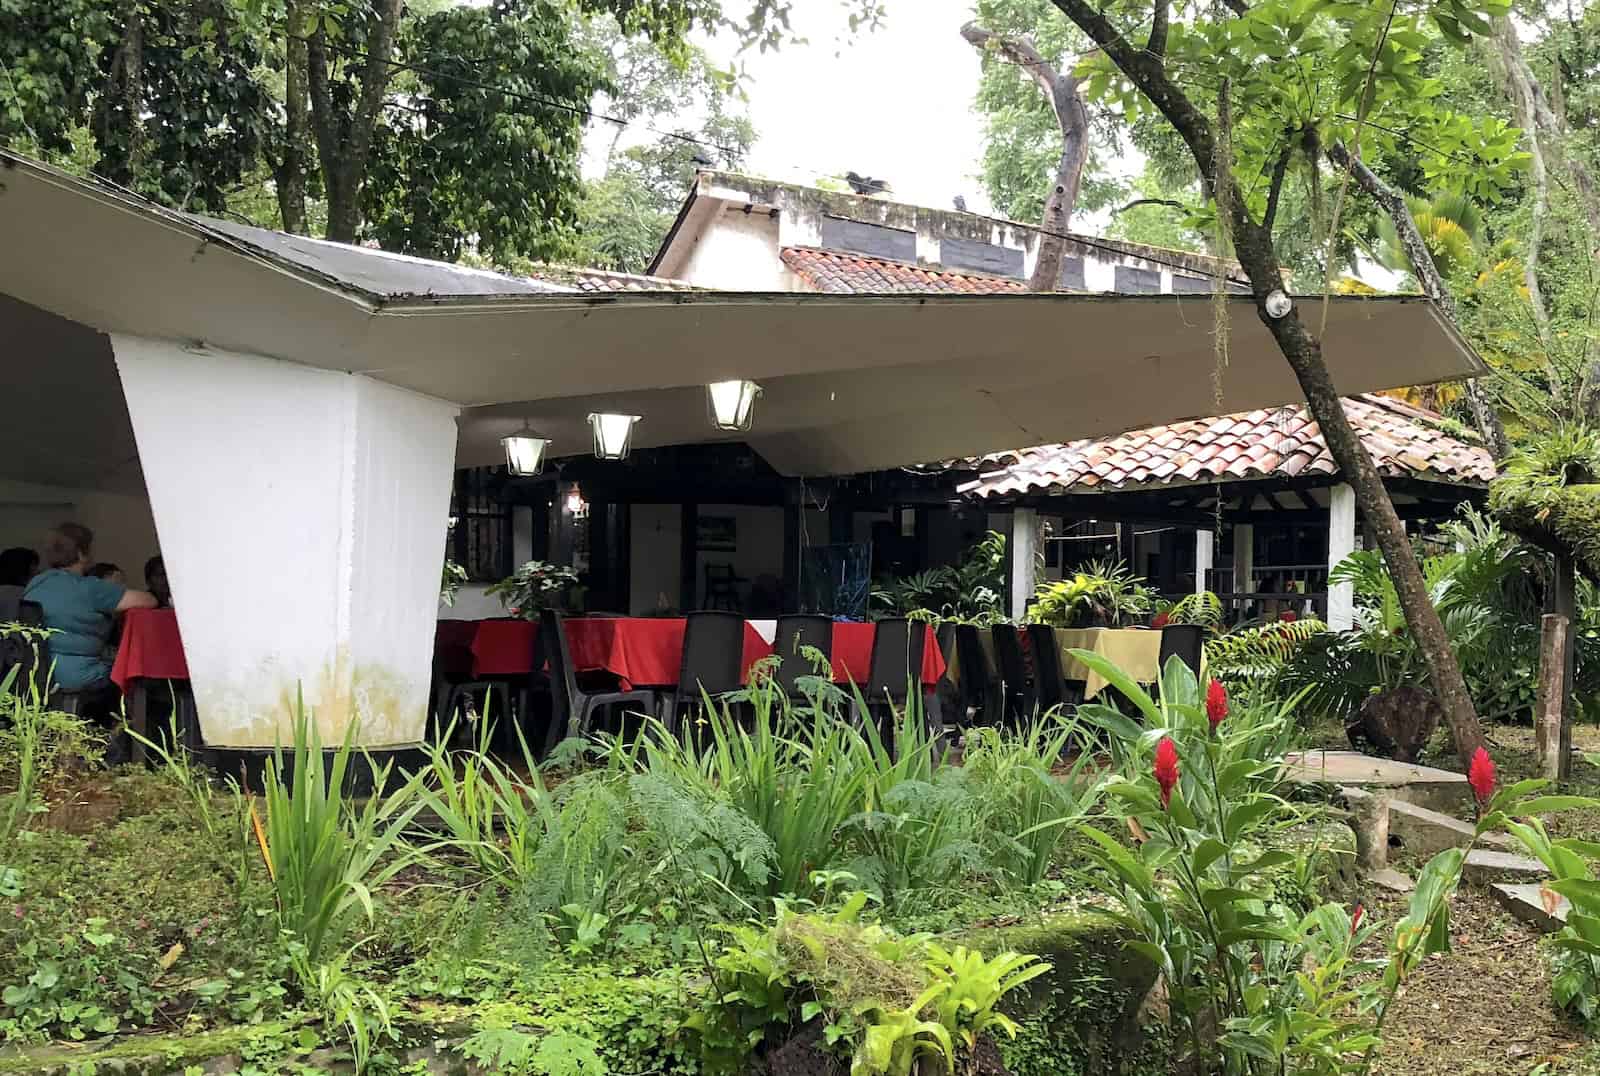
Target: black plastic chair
x=1016 y=687
x=794 y=632
x=1049 y=683
x=979 y=690
x=713 y=663
x=571 y=707
x=1186 y=642
x=894 y=677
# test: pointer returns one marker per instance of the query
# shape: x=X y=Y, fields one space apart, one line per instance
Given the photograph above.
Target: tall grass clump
x=323 y=850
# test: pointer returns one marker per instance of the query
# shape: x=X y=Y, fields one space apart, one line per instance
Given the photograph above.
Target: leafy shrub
x=537 y=586
x=1102 y=595
x=885 y=998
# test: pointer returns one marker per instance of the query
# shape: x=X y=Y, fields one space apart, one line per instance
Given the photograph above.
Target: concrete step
x=1426 y=833
x=1485 y=865
x=1392 y=880
x=1439 y=790
x=1527 y=903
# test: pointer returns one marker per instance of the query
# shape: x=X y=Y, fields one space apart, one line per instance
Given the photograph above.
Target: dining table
x=648 y=651
x=638 y=651
x=150 y=651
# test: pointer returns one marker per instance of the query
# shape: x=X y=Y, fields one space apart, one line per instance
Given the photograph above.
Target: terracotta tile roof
x=604 y=280
x=1284 y=442
x=840 y=273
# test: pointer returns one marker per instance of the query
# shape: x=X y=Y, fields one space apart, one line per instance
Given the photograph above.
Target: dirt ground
x=1485 y=1007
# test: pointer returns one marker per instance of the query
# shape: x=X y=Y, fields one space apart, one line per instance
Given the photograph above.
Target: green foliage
x=885 y=998
x=972 y=591
x=537 y=586
x=1203 y=609
x=1257 y=982
x=451 y=580
x=1550 y=493
x=323 y=851
x=1102 y=595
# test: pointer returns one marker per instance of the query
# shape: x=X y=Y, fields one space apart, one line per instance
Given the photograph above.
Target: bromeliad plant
x=1259 y=980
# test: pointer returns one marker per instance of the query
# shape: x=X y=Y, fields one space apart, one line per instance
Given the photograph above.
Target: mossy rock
x=1086 y=1017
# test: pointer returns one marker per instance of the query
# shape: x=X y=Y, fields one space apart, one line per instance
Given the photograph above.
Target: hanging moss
x=1550 y=496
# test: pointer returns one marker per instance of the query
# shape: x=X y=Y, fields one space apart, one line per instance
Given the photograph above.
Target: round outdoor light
x=525 y=452
x=612 y=434
x=1278 y=304
x=732 y=404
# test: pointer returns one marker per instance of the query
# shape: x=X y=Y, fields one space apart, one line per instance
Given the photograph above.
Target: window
x=480 y=527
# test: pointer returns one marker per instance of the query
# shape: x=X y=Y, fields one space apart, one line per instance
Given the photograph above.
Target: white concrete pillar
x=1341 y=543
x=1024 y=532
x=1244 y=560
x=1202 y=560
x=302 y=516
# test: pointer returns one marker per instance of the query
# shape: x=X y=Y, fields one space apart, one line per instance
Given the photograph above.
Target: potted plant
x=537 y=586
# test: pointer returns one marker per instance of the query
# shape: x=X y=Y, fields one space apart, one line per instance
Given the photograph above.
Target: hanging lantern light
x=525 y=452
x=613 y=434
x=732 y=404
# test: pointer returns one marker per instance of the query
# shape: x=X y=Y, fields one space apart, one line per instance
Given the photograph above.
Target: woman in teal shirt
x=79 y=609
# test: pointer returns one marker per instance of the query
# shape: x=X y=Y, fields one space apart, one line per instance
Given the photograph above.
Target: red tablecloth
x=639 y=651
x=852 y=653
x=151 y=648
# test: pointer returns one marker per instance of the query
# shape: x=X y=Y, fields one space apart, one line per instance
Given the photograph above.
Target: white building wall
x=124 y=529
x=739 y=252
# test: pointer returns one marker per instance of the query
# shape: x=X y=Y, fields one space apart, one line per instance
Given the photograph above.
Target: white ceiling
x=852 y=382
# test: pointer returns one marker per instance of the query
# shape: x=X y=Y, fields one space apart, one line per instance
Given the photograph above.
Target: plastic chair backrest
x=1049 y=684
x=897 y=645
x=794 y=632
x=563 y=681
x=713 y=654
x=1185 y=642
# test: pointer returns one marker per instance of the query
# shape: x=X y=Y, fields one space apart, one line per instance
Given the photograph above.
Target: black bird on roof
x=865 y=184
x=961 y=203
x=702 y=160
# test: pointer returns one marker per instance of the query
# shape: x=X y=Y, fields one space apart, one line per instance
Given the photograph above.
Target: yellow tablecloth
x=1136 y=651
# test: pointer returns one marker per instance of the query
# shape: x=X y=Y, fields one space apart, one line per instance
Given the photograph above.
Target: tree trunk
x=1433 y=285
x=289 y=174
x=1519 y=81
x=1066 y=101
x=345 y=140
x=1146 y=69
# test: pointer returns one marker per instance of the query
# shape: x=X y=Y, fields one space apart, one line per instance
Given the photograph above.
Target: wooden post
x=1550 y=710
x=1564 y=602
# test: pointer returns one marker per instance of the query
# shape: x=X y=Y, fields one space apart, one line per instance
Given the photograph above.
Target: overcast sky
x=895 y=103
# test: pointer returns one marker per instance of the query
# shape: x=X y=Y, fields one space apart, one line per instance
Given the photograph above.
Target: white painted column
x=302 y=516
x=1341 y=543
x=1024 y=530
x=1244 y=558
x=1202 y=560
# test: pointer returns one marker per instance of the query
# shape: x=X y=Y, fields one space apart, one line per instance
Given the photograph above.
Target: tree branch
x=1157 y=45
x=1062 y=89
x=1394 y=205
x=1279 y=170
x=1173 y=202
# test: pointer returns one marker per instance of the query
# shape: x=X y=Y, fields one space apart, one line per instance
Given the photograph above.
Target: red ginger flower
x=1480 y=775
x=1166 y=768
x=1355 y=918
x=1216 y=703
x=1288 y=616
x=1160 y=620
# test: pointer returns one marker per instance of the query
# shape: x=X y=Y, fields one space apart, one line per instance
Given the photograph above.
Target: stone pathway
x=1425 y=786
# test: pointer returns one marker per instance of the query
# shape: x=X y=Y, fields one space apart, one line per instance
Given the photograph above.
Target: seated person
x=106 y=570
x=155 y=581
x=17 y=566
x=79 y=609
